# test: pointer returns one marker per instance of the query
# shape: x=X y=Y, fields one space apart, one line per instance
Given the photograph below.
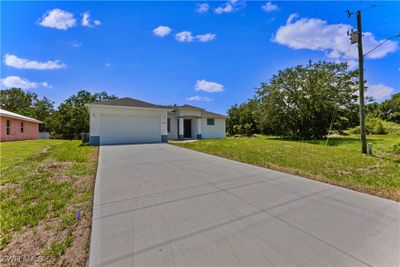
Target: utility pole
x=361 y=84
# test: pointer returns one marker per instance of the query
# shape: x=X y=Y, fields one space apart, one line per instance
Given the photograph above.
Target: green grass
x=340 y=163
x=45 y=181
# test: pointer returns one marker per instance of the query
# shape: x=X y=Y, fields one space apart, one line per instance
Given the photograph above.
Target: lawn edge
x=376 y=192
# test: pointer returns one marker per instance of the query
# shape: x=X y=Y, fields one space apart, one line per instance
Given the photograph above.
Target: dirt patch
x=57 y=170
x=78 y=253
x=55 y=167
x=344 y=172
x=30 y=244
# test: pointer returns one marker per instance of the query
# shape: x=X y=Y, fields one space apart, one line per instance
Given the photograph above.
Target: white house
x=127 y=120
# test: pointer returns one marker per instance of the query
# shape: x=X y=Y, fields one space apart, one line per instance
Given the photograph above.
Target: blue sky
x=209 y=54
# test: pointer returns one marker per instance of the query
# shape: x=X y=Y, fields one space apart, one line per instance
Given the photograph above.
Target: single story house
x=16 y=127
x=127 y=120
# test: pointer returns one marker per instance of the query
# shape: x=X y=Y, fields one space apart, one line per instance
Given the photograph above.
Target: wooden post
x=361 y=84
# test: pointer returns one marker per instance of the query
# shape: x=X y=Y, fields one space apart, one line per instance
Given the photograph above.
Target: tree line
x=308 y=101
x=301 y=102
x=68 y=121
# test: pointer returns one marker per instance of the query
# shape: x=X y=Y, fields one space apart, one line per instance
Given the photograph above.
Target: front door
x=187 y=128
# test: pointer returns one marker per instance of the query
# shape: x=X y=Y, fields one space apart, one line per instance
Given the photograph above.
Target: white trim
x=9 y=114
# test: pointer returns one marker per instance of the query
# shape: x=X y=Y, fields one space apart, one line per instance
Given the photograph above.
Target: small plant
x=379 y=129
x=396 y=149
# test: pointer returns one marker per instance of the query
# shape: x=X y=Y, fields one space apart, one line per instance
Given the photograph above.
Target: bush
x=378 y=128
x=396 y=149
x=372 y=125
x=355 y=130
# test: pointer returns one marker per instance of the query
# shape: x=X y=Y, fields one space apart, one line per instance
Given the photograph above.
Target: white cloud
x=199 y=98
x=229 y=7
x=58 y=19
x=18 y=82
x=184 y=36
x=205 y=37
x=85 y=19
x=108 y=65
x=269 y=7
x=210 y=87
x=162 y=31
x=292 y=17
x=22 y=63
x=87 y=22
x=75 y=44
x=379 y=91
x=203 y=8
x=353 y=64
x=317 y=34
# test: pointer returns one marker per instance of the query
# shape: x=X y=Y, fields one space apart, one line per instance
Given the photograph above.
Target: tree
x=28 y=104
x=72 y=117
x=390 y=109
x=241 y=118
x=300 y=102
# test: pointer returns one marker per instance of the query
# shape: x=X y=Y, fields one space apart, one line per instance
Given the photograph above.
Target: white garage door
x=124 y=129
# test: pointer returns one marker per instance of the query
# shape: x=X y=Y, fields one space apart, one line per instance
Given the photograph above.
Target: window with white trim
x=210 y=121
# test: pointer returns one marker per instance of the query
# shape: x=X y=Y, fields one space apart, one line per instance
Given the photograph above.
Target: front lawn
x=44 y=184
x=339 y=163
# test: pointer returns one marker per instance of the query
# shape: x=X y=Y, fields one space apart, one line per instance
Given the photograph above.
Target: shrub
x=355 y=130
x=396 y=149
x=372 y=125
x=378 y=128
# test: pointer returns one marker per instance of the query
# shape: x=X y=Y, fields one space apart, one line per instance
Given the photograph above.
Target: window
x=8 y=127
x=169 y=125
x=210 y=122
x=22 y=127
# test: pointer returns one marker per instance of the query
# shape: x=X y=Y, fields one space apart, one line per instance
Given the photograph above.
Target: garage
x=127 y=121
x=125 y=129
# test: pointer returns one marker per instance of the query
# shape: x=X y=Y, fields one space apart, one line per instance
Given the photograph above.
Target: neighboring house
x=127 y=120
x=15 y=127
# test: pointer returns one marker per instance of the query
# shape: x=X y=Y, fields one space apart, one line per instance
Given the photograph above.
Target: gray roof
x=212 y=114
x=130 y=102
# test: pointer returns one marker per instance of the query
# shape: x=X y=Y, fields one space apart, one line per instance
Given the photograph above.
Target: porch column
x=180 y=134
x=164 y=128
x=198 y=127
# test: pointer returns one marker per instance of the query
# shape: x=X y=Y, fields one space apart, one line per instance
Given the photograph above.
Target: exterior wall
x=213 y=131
x=31 y=130
x=194 y=127
x=173 y=134
x=119 y=125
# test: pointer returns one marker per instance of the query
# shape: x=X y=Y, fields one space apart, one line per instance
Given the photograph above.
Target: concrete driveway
x=161 y=205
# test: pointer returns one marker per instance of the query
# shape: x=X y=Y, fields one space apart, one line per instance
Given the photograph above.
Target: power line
x=376 y=47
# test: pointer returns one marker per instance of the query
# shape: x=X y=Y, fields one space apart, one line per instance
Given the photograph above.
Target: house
x=15 y=127
x=127 y=120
